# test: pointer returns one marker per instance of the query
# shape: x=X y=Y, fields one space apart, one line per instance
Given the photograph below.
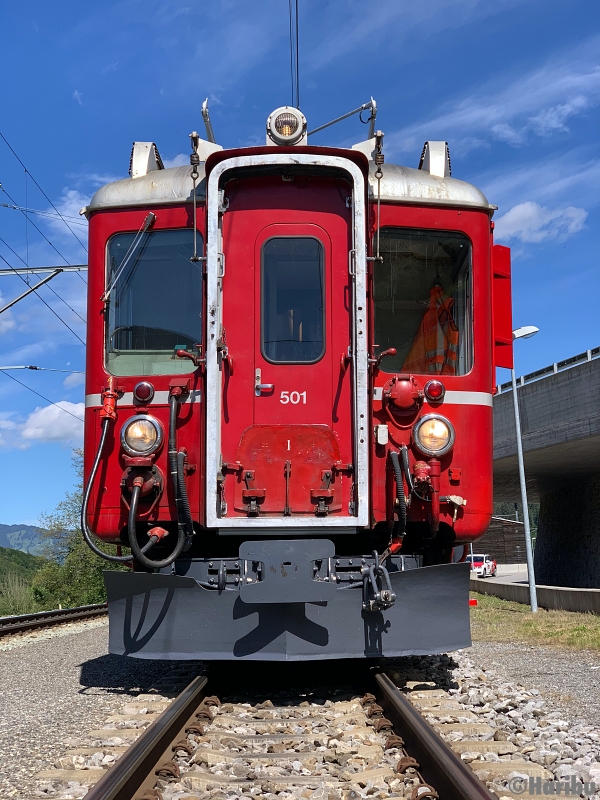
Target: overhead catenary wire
x=45 y=369
x=44 y=302
x=294 y=49
x=30 y=290
x=41 y=190
x=14 y=252
x=25 y=209
x=47 y=400
x=56 y=250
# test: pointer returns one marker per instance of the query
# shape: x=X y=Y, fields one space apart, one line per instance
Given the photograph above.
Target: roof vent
x=145 y=158
x=435 y=159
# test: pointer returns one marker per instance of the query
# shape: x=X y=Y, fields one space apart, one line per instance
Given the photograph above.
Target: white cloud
x=69 y=205
x=533 y=224
x=28 y=353
x=6 y=320
x=553 y=119
x=97 y=179
x=74 y=379
x=109 y=68
x=536 y=104
x=7 y=424
x=351 y=26
x=571 y=178
x=180 y=160
x=78 y=96
x=52 y=424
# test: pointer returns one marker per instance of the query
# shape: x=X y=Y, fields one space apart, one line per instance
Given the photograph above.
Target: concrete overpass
x=560 y=421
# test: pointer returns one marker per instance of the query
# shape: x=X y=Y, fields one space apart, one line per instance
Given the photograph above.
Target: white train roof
x=159 y=186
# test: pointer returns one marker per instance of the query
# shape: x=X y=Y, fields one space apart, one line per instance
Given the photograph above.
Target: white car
x=483 y=565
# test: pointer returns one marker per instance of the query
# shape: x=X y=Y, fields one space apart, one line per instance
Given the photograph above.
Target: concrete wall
x=560 y=421
x=586 y=601
x=567 y=551
x=560 y=418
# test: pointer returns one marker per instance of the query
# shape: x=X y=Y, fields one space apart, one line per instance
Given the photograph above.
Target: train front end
x=291 y=357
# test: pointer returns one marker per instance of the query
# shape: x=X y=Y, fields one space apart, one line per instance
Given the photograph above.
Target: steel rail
x=44 y=619
x=135 y=771
x=439 y=764
x=136 y=765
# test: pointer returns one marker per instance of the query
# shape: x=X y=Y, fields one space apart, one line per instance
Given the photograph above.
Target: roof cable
x=14 y=252
x=41 y=190
x=12 y=377
x=39 y=231
x=43 y=301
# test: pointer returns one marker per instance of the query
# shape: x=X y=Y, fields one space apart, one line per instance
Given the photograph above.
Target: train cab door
x=288 y=435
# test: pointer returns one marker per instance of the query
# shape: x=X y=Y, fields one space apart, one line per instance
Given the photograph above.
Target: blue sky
x=512 y=85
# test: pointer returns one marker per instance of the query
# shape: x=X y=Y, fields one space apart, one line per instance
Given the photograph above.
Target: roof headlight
x=286 y=125
x=433 y=435
x=141 y=435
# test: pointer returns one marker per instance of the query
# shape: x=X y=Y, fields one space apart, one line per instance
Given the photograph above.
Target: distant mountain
x=19 y=563
x=26 y=538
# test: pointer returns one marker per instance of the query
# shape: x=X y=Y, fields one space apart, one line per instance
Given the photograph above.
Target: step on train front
x=288 y=426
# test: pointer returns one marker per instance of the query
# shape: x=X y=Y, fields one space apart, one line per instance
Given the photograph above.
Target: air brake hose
x=138 y=551
x=181 y=503
x=87 y=534
x=401 y=510
x=406 y=468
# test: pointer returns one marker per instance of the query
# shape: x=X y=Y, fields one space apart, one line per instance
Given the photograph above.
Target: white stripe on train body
x=453 y=398
x=159 y=399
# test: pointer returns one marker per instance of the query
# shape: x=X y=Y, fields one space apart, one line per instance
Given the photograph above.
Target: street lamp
x=524 y=333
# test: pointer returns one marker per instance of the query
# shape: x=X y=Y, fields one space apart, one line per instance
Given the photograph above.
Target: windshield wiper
x=148 y=223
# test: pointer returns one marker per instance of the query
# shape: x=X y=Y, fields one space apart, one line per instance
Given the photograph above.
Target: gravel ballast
x=56 y=684
x=491 y=712
x=60 y=683
x=568 y=680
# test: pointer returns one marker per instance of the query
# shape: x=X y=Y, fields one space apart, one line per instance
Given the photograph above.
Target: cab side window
x=423 y=301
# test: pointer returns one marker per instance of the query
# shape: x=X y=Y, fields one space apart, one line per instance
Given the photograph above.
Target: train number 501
x=293 y=397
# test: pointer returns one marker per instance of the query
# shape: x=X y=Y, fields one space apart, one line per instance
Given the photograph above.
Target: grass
x=496 y=620
x=16 y=596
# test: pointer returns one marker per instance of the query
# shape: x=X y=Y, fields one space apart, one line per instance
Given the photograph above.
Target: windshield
x=422 y=294
x=155 y=305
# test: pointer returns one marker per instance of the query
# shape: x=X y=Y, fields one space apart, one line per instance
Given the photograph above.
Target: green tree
x=73 y=574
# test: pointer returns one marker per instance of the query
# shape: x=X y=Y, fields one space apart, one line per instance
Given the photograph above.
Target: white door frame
x=215 y=279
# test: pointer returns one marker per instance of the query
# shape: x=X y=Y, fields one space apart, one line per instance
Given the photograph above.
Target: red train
x=290 y=364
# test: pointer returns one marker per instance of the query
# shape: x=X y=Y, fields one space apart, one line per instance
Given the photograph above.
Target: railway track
x=44 y=619
x=324 y=742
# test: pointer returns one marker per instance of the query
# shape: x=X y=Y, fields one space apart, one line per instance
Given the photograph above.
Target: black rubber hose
x=185 y=504
x=138 y=551
x=401 y=510
x=87 y=534
x=406 y=468
x=173 y=406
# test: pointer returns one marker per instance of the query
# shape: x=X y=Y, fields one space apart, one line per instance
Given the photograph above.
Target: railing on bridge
x=546 y=372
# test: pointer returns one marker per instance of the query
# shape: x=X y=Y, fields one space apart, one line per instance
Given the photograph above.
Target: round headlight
x=286 y=125
x=141 y=435
x=433 y=435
